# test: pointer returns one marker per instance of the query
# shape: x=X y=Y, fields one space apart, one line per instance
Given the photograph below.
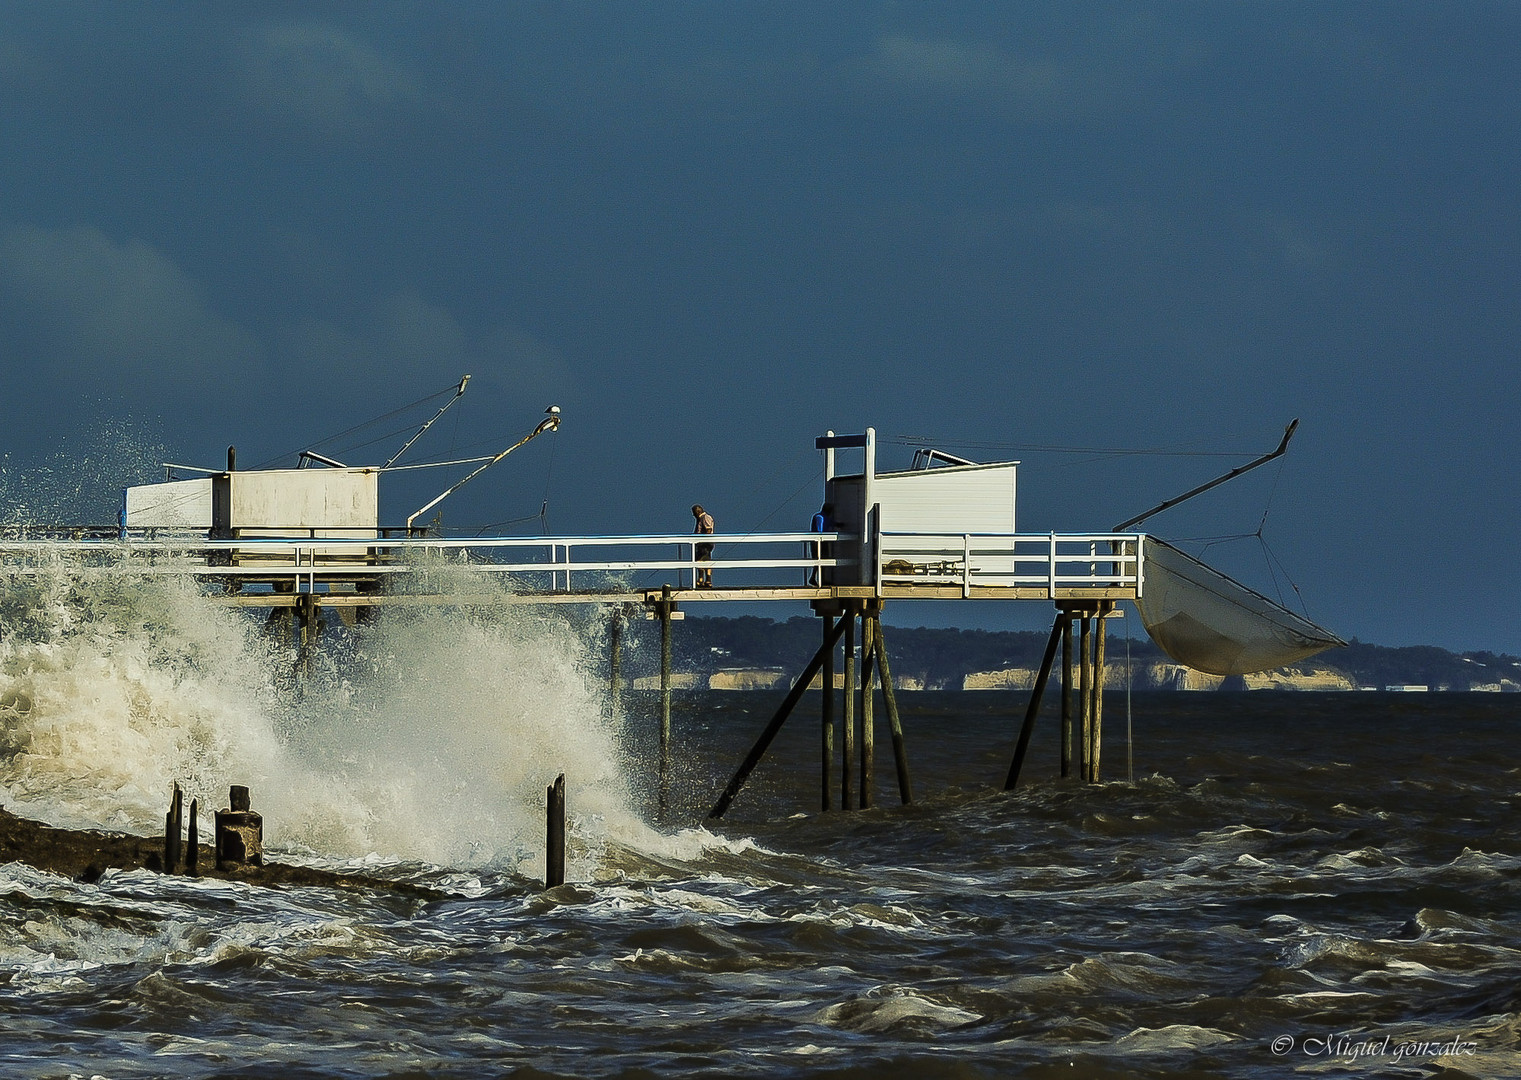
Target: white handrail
x=965 y=561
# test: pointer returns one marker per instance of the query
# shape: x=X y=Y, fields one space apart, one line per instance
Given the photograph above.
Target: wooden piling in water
x=1066 y=748
x=172 y=824
x=826 y=717
x=554 y=846
x=868 y=718
x=1085 y=694
x=848 y=720
x=666 y=607
x=895 y=724
x=239 y=832
x=1096 y=750
x=615 y=662
x=193 y=850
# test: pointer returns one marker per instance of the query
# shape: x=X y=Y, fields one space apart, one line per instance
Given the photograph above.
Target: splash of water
x=430 y=734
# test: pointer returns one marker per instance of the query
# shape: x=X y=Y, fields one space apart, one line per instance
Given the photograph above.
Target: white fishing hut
x=922 y=517
x=286 y=503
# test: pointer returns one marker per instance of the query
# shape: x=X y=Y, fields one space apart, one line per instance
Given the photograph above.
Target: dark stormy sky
x=709 y=231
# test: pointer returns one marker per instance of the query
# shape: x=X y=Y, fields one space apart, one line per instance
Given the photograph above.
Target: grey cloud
x=415 y=342
x=91 y=304
x=323 y=79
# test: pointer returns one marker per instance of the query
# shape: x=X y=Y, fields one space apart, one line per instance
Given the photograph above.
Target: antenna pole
x=1288 y=433
x=457 y=393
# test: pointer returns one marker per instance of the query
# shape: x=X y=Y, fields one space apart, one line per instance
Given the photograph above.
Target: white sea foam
x=430 y=734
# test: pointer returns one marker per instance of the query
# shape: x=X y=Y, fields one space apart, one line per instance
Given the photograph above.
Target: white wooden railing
x=591 y=564
x=1010 y=560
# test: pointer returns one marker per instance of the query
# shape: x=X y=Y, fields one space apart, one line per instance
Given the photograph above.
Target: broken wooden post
x=889 y=698
x=239 y=833
x=193 y=850
x=172 y=830
x=554 y=847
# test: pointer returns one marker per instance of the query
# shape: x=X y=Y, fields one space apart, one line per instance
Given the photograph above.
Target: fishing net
x=1208 y=622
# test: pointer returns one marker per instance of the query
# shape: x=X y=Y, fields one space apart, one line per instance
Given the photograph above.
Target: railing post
x=1051 y=568
x=966 y=565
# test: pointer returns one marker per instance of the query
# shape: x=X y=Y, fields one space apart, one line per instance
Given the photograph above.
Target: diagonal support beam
x=758 y=751
x=1033 y=710
x=900 y=753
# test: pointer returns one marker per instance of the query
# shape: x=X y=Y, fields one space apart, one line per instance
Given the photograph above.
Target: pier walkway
x=334 y=571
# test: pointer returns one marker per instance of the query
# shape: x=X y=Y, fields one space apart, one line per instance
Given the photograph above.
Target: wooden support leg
x=826 y=717
x=615 y=662
x=1085 y=695
x=1032 y=710
x=848 y=721
x=665 y=698
x=868 y=724
x=1066 y=695
x=1095 y=754
x=890 y=699
x=794 y=695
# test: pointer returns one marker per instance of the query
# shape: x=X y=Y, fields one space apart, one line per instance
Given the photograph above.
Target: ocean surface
x=1323 y=884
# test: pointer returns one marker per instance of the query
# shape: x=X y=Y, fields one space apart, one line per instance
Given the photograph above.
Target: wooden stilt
x=1032 y=710
x=783 y=711
x=890 y=699
x=848 y=720
x=1085 y=694
x=868 y=719
x=554 y=840
x=1066 y=750
x=615 y=662
x=665 y=698
x=826 y=717
x=1096 y=752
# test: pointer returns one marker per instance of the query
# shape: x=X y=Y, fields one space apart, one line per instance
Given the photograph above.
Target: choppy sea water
x=1320 y=884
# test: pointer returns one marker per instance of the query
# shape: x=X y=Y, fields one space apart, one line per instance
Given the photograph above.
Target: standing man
x=704 y=551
